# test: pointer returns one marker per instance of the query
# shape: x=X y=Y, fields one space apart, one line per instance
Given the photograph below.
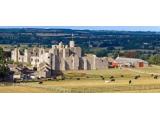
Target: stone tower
x=71 y=43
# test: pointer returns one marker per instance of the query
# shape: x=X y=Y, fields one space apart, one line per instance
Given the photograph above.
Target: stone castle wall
x=60 y=57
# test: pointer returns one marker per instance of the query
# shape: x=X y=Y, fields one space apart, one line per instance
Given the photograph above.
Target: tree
x=1 y=56
x=4 y=70
x=154 y=59
x=116 y=53
x=102 y=53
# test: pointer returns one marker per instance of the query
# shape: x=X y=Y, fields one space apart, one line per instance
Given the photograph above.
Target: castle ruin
x=59 y=57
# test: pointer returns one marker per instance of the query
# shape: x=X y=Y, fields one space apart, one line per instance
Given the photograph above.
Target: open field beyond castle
x=92 y=82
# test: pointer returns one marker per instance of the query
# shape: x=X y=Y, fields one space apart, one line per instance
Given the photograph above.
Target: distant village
x=43 y=63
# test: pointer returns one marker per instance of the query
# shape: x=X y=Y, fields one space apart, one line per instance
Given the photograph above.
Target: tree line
x=4 y=69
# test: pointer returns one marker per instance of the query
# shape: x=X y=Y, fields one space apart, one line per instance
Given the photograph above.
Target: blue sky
x=119 y=28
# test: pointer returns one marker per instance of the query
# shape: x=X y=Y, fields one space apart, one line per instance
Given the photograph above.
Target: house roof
x=129 y=60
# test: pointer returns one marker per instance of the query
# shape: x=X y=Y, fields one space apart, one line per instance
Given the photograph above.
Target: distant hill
x=84 y=38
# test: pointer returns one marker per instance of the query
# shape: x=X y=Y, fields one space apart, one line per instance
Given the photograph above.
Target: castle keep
x=59 y=57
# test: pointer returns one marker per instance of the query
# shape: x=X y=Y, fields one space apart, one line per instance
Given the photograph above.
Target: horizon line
x=111 y=28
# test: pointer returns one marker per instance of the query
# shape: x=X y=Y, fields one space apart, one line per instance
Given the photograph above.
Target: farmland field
x=95 y=81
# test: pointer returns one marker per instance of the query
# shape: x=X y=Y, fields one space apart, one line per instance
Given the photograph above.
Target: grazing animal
x=156 y=77
x=111 y=77
x=122 y=75
x=40 y=82
x=78 y=78
x=113 y=80
x=152 y=75
x=130 y=82
x=136 y=77
x=101 y=76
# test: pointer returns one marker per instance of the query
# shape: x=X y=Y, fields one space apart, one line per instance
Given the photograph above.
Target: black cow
x=41 y=82
x=111 y=77
x=130 y=82
x=112 y=80
x=122 y=75
x=137 y=76
x=156 y=77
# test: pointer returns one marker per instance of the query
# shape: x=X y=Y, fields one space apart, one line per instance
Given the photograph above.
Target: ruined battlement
x=59 y=57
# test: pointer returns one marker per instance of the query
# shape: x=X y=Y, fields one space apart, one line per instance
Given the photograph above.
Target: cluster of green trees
x=84 y=38
x=154 y=59
x=4 y=70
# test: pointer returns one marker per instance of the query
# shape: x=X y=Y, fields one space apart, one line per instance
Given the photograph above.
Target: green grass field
x=91 y=82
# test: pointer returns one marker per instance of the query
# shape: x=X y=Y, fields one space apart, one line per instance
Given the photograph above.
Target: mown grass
x=22 y=89
x=92 y=82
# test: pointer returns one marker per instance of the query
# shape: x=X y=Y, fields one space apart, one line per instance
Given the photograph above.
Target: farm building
x=112 y=63
x=131 y=62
